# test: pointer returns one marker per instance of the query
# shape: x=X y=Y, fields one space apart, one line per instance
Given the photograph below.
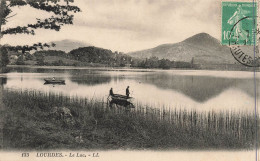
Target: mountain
x=203 y=48
x=68 y=45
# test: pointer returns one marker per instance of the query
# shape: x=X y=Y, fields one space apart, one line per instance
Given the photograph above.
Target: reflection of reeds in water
x=30 y=124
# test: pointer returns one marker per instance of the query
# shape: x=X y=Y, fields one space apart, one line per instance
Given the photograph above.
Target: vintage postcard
x=129 y=80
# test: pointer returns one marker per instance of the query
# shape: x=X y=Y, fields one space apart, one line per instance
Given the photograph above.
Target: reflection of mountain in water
x=199 y=88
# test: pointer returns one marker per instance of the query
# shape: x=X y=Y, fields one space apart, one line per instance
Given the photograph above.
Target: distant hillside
x=68 y=45
x=93 y=54
x=204 y=48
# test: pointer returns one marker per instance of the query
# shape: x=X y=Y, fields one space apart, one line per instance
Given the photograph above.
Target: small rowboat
x=121 y=100
x=56 y=81
x=120 y=97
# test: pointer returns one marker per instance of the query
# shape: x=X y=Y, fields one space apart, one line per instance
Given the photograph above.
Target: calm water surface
x=182 y=89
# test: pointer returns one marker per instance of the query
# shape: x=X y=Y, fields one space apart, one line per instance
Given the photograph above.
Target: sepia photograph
x=129 y=80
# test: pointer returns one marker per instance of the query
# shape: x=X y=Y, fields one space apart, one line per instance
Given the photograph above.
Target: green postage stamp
x=239 y=23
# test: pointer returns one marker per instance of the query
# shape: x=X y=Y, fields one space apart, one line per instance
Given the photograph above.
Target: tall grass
x=30 y=123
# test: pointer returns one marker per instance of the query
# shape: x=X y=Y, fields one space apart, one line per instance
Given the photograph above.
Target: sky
x=125 y=25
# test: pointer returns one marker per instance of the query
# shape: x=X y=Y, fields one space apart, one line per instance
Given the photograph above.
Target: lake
x=182 y=89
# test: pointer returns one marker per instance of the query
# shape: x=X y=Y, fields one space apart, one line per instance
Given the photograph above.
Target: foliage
x=115 y=59
x=28 y=56
x=20 y=60
x=62 y=15
x=99 y=55
x=50 y=53
x=92 y=55
x=40 y=59
x=59 y=63
x=154 y=62
x=4 y=57
x=165 y=64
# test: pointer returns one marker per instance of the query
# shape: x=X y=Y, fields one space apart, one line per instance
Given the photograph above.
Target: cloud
x=127 y=25
x=203 y=10
x=151 y=19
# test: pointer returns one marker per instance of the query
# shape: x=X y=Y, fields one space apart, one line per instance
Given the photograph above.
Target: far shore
x=125 y=68
x=84 y=67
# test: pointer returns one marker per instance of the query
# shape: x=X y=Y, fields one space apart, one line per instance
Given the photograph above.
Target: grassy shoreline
x=39 y=121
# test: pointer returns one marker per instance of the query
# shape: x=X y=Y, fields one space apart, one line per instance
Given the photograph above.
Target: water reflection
x=3 y=80
x=91 y=79
x=159 y=88
x=199 y=88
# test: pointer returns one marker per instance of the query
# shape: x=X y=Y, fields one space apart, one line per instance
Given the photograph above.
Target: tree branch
x=25 y=48
x=13 y=3
x=11 y=16
x=56 y=9
x=18 y=30
x=53 y=23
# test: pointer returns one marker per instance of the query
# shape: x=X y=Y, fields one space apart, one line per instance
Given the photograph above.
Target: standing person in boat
x=127 y=91
x=111 y=92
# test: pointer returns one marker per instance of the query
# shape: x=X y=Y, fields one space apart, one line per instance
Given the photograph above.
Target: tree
x=192 y=62
x=62 y=14
x=4 y=57
x=165 y=64
x=40 y=61
x=20 y=60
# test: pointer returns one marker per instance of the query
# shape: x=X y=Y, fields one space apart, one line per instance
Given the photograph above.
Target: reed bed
x=31 y=123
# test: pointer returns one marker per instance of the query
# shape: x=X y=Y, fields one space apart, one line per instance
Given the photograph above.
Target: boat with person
x=54 y=81
x=120 y=100
x=120 y=97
